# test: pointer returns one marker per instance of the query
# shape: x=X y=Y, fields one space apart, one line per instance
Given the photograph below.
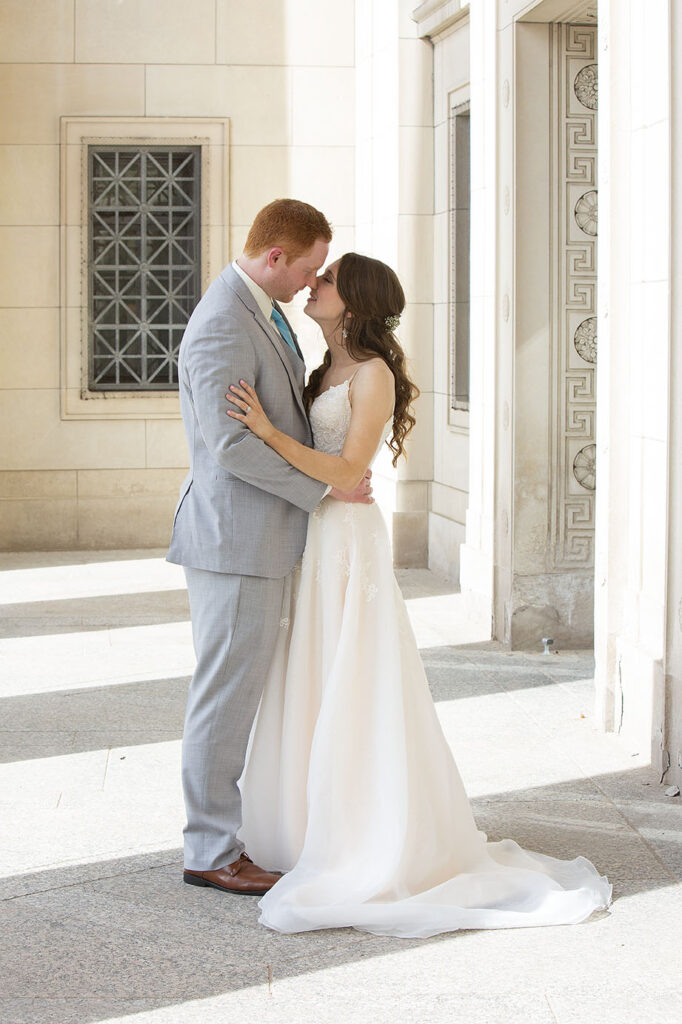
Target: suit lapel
x=296 y=375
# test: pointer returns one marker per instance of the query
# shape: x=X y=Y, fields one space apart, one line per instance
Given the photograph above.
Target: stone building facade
x=572 y=526
x=513 y=160
x=265 y=91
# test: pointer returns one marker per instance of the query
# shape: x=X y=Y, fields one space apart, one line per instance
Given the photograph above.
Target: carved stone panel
x=574 y=272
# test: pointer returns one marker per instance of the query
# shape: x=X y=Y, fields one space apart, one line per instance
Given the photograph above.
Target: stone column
x=527 y=560
x=672 y=733
x=394 y=203
x=637 y=595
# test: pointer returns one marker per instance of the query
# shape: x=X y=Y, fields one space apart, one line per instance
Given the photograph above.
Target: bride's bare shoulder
x=374 y=371
x=373 y=385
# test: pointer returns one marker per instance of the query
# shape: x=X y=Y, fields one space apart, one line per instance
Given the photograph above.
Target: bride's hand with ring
x=252 y=415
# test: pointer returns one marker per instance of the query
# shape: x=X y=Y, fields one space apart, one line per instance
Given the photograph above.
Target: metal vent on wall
x=144 y=208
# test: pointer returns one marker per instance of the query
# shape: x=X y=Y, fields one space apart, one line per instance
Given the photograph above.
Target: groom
x=240 y=524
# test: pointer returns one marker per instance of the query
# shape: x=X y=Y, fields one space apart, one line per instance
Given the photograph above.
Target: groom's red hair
x=288 y=224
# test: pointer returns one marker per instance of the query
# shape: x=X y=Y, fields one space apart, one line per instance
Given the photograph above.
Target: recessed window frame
x=459 y=262
x=78 y=134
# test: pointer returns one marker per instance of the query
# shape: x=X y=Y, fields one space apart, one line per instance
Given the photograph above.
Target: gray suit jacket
x=242 y=508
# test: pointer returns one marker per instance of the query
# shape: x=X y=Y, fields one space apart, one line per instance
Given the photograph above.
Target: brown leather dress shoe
x=242 y=877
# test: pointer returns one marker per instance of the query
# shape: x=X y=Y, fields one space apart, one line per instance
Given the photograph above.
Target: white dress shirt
x=265 y=303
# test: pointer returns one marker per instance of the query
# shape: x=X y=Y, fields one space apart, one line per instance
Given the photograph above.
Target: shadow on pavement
x=73 y=721
x=128 y=714
x=119 y=936
x=477 y=670
x=85 y=614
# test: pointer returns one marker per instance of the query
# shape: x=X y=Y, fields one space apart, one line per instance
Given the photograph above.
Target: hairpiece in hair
x=392 y=321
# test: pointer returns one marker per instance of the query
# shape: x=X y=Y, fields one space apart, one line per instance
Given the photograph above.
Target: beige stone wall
x=282 y=73
x=450 y=487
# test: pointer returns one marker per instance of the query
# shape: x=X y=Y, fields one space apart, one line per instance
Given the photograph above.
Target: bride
x=350 y=787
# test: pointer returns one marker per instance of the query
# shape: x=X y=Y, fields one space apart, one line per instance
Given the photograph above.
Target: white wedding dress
x=350 y=786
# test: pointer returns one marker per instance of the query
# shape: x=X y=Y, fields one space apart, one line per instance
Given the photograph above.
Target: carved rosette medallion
x=585 y=86
x=585 y=467
x=586 y=212
x=585 y=339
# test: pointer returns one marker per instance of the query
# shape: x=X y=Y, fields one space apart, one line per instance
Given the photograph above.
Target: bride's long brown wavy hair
x=371 y=292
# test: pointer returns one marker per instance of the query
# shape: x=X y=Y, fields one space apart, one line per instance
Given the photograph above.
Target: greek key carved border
x=575 y=294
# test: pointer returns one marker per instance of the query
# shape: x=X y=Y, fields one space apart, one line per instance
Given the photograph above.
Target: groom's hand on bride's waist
x=361 y=494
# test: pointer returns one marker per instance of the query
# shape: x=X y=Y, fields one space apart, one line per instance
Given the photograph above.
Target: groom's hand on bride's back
x=361 y=494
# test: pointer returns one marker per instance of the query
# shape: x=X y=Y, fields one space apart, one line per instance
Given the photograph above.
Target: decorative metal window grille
x=460 y=196
x=144 y=262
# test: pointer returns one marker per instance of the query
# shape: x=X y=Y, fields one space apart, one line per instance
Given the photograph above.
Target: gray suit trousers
x=235 y=620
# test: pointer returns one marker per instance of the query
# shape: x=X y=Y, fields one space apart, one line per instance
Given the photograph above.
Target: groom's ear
x=274 y=255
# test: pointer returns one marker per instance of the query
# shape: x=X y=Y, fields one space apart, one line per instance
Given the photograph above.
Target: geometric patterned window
x=144 y=216
x=460 y=255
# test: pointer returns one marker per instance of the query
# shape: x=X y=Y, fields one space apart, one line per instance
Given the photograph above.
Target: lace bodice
x=330 y=418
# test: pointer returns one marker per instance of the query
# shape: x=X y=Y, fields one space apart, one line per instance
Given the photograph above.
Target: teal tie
x=281 y=325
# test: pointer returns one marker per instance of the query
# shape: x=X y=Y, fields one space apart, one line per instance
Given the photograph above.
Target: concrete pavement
x=96 y=925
